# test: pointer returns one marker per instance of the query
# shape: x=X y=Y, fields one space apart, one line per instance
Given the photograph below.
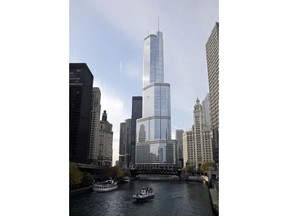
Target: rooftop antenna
x=158 y=23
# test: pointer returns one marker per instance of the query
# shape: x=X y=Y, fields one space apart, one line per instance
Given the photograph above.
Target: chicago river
x=171 y=198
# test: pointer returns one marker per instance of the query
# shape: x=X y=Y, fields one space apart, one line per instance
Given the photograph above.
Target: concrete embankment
x=81 y=191
x=214 y=200
x=213 y=192
x=157 y=177
x=197 y=178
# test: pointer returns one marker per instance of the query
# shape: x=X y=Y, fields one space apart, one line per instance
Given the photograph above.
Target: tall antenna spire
x=158 y=23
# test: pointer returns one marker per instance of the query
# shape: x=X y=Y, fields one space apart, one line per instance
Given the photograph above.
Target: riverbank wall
x=81 y=191
x=157 y=177
x=214 y=197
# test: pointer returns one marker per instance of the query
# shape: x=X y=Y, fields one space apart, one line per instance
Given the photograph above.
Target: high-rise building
x=122 y=143
x=154 y=146
x=128 y=135
x=80 y=96
x=187 y=149
x=212 y=55
x=179 y=138
x=104 y=156
x=197 y=141
x=125 y=144
x=136 y=114
x=95 y=125
x=206 y=111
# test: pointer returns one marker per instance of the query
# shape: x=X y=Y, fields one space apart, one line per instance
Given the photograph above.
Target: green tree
x=87 y=179
x=190 y=168
x=116 y=172
x=119 y=172
x=205 y=167
x=75 y=176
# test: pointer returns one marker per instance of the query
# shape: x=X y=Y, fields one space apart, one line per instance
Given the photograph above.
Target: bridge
x=135 y=172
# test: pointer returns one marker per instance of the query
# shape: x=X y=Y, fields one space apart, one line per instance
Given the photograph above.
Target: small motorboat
x=146 y=193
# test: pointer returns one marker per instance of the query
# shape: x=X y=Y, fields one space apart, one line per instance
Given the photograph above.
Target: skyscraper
x=154 y=146
x=212 y=55
x=136 y=114
x=80 y=96
x=105 y=142
x=125 y=144
x=128 y=135
x=197 y=141
x=206 y=111
x=95 y=125
x=122 y=143
x=179 y=138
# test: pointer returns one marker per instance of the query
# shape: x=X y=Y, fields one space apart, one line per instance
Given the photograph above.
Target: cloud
x=132 y=71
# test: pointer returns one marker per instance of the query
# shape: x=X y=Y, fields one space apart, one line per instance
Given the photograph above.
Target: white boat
x=105 y=186
x=146 y=193
x=126 y=179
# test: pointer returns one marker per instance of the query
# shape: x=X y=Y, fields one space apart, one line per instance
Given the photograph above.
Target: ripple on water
x=171 y=198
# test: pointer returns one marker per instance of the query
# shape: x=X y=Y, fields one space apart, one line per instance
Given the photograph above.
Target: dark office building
x=80 y=96
x=122 y=143
x=125 y=144
x=136 y=114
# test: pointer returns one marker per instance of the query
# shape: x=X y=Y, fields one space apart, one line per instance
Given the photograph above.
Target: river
x=171 y=198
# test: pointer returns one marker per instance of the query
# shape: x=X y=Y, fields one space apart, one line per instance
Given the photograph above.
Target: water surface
x=171 y=198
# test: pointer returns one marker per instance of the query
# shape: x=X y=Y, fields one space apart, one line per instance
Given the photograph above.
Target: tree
x=75 y=176
x=87 y=179
x=190 y=168
x=117 y=172
x=205 y=167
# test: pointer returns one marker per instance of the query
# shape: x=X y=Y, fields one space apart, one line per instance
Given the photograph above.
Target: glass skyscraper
x=153 y=131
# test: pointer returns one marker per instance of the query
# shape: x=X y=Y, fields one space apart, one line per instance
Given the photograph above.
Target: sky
x=108 y=36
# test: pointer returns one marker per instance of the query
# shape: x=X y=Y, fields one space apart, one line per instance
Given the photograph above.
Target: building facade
x=104 y=157
x=179 y=138
x=95 y=125
x=153 y=131
x=122 y=143
x=212 y=55
x=136 y=114
x=80 y=97
x=197 y=141
x=206 y=111
x=125 y=144
x=187 y=149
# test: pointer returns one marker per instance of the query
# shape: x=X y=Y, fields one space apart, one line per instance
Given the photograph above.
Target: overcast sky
x=108 y=36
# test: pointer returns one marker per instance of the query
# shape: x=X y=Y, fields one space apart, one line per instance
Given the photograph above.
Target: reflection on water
x=171 y=198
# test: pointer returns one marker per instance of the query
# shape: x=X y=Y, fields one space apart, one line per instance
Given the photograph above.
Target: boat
x=126 y=179
x=146 y=193
x=105 y=186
